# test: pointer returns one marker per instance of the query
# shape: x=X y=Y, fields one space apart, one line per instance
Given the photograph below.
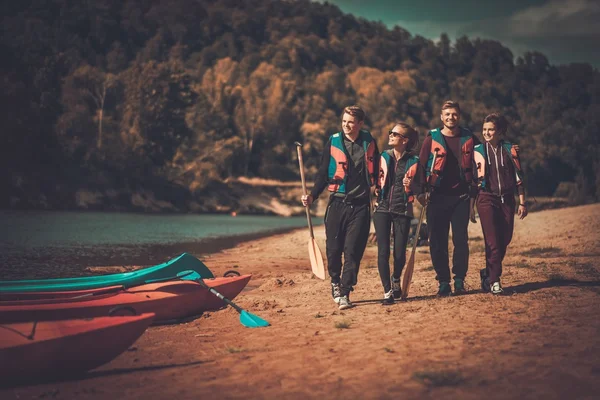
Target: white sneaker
x=496 y=288
x=345 y=303
x=336 y=292
x=388 y=298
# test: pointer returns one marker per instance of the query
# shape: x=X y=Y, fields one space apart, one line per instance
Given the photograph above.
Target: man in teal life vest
x=349 y=168
x=446 y=168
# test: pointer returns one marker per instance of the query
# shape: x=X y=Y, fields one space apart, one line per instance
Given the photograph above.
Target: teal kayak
x=186 y=262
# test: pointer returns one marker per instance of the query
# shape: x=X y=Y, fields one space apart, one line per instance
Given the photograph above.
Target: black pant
x=347 y=231
x=383 y=222
x=442 y=212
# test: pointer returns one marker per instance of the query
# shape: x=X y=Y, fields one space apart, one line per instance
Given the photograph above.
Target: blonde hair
x=451 y=104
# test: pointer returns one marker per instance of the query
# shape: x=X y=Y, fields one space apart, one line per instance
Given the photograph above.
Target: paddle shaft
x=301 y=162
x=411 y=261
x=219 y=295
x=111 y=289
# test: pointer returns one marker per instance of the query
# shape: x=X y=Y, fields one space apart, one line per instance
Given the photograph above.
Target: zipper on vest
x=498 y=172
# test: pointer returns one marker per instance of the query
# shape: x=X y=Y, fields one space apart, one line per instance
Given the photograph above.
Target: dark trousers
x=443 y=212
x=400 y=227
x=347 y=231
x=497 y=222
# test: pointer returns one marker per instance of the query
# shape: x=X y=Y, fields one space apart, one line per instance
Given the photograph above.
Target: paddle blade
x=252 y=321
x=316 y=259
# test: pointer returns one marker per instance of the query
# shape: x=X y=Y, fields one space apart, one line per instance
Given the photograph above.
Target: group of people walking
x=453 y=172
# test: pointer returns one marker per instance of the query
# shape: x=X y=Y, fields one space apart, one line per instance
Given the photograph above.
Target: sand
x=540 y=340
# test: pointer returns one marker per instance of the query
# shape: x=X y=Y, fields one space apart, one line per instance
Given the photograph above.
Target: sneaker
x=396 y=288
x=459 y=286
x=485 y=280
x=344 y=303
x=496 y=288
x=336 y=292
x=445 y=289
x=388 y=298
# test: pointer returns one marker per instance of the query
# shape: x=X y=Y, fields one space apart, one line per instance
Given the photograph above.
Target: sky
x=564 y=30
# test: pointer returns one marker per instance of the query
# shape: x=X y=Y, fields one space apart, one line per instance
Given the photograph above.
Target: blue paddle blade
x=251 y=320
x=190 y=277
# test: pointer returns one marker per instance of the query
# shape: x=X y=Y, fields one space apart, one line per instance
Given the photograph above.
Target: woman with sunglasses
x=393 y=209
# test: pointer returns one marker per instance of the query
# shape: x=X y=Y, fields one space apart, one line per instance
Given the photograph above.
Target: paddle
x=410 y=266
x=187 y=274
x=247 y=319
x=314 y=253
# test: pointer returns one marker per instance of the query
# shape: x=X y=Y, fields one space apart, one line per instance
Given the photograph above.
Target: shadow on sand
x=41 y=380
x=508 y=291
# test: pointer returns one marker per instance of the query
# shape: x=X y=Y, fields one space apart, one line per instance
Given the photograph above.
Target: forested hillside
x=109 y=104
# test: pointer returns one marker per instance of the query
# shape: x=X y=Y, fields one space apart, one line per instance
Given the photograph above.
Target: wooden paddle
x=410 y=265
x=314 y=253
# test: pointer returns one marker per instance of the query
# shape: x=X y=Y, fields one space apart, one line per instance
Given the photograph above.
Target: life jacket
x=410 y=171
x=338 y=161
x=435 y=175
x=480 y=156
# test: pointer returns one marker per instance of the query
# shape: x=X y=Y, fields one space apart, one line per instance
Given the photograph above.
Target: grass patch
x=234 y=350
x=557 y=278
x=439 y=378
x=538 y=251
x=342 y=324
x=430 y=268
x=476 y=239
x=388 y=350
x=319 y=315
x=523 y=264
x=477 y=248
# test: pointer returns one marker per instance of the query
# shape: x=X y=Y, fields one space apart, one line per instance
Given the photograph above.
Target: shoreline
x=53 y=262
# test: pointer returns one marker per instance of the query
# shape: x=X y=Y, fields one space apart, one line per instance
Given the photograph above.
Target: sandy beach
x=540 y=340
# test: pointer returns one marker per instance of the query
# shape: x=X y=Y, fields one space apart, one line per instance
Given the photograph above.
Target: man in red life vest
x=446 y=161
x=349 y=168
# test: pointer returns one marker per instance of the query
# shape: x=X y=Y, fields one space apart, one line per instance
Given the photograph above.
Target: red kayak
x=170 y=301
x=34 y=350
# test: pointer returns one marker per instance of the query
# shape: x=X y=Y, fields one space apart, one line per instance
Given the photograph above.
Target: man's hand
x=522 y=211
x=307 y=200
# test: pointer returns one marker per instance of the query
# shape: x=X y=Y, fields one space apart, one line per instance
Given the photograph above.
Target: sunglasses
x=396 y=134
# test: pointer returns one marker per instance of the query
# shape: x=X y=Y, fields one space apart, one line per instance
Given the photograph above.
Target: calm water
x=31 y=229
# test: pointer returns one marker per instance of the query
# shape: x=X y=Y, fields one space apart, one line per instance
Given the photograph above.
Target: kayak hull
x=170 y=301
x=67 y=347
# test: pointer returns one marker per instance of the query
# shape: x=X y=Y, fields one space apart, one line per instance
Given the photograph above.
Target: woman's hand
x=522 y=211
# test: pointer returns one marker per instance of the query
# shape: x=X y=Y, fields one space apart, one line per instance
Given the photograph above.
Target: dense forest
x=107 y=101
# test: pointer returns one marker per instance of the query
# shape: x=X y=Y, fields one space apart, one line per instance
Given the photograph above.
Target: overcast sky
x=564 y=30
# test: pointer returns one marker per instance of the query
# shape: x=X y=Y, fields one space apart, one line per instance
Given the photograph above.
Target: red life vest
x=438 y=145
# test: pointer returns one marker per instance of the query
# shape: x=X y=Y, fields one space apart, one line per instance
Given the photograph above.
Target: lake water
x=32 y=229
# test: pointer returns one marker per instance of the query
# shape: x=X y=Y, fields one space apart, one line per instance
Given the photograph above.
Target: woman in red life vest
x=499 y=175
x=394 y=208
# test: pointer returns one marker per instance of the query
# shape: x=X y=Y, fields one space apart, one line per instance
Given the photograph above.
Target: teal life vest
x=338 y=161
x=410 y=171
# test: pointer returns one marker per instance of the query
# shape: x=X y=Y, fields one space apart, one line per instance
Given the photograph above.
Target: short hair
x=451 y=104
x=355 y=111
x=499 y=122
x=412 y=133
